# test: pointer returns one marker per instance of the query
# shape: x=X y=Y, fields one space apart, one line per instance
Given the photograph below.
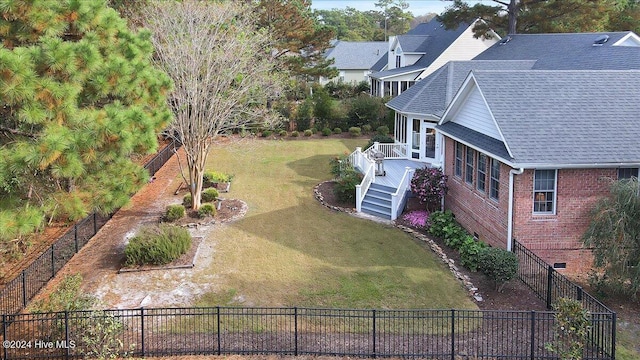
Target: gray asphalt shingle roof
x=432 y=95
x=567 y=51
x=436 y=39
x=565 y=117
x=351 y=55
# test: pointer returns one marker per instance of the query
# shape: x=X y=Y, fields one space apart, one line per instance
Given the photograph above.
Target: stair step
x=383 y=188
x=376 y=213
x=377 y=201
x=380 y=208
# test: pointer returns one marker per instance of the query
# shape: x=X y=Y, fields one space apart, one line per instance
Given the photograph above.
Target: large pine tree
x=78 y=97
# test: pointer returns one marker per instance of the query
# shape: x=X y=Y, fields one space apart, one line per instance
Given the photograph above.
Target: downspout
x=512 y=173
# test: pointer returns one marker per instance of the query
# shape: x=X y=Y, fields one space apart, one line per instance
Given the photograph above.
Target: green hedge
x=157 y=245
x=174 y=212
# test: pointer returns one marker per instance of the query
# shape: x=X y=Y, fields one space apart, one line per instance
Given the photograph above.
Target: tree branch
x=7 y=130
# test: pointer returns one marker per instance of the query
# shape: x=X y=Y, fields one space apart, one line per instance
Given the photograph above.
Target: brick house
x=528 y=152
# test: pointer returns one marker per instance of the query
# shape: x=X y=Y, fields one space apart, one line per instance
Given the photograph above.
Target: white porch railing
x=397 y=198
x=390 y=151
x=360 y=160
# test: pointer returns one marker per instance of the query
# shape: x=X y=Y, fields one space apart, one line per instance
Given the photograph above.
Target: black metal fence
x=550 y=285
x=433 y=334
x=16 y=293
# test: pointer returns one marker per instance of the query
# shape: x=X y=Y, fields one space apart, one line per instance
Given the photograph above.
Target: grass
x=291 y=251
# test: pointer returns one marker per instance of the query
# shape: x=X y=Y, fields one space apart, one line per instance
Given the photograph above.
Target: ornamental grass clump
x=417 y=218
x=430 y=186
x=157 y=245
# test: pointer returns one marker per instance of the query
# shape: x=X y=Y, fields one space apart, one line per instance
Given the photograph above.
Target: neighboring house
x=354 y=60
x=416 y=54
x=529 y=152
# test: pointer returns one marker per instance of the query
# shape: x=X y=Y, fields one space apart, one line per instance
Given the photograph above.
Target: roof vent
x=505 y=40
x=601 y=40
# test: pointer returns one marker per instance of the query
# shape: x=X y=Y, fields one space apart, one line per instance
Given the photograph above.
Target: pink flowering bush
x=430 y=186
x=417 y=218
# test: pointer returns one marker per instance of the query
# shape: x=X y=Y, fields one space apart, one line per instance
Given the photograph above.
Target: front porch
x=384 y=195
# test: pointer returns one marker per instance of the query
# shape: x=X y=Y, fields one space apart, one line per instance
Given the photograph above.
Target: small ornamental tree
x=572 y=328
x=430 y=186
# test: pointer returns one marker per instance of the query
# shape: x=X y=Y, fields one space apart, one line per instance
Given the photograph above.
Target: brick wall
x=557 y=238
x=475 y=210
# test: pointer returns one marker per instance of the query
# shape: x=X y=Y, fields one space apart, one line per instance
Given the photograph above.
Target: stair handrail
x=398 y=196
x=360 y=159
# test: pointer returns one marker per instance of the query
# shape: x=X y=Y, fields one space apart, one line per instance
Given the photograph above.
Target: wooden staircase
x=377 y=201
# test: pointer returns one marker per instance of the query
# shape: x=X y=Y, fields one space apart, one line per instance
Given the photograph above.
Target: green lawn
x=291 y=251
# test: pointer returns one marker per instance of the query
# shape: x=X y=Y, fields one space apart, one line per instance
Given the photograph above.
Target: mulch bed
x=186 y=261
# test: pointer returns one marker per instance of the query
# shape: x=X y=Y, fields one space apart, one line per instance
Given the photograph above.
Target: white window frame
x=483 y=172
x=555 y=193
x=458 y=167
x=493 y=179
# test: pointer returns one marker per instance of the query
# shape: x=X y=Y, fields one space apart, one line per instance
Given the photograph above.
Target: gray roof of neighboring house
x=351 y=55
x=432 y=95
x=435 y=40
x=566 y=51
x=381 y=63
x=547 y=118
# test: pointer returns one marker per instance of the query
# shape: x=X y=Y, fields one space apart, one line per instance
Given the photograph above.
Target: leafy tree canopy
x=79 y=97
x=544 y=16
x=301 y=39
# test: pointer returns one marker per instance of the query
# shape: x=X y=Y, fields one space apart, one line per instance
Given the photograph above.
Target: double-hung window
x=627 y=173
x=458 y=164
x=470 y=161
x=494 y=183
x=481 y=176
x=544 y=191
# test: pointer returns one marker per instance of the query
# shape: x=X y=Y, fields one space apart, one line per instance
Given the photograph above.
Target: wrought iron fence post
x=24 y=288
x=95 y=223
x=53 y=260
x=579 y=292
x=75 y=236
x=218 y=320
x=4 y=336
x=613 y=336
x=142 y=330
x=549 y=285
x=453 y=334
x=533 y=334
x=295 y=331
x=374 y=333
x=66 y=333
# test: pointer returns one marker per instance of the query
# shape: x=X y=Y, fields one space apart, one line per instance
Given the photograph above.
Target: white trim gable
x=470 y=109
x=631 y=39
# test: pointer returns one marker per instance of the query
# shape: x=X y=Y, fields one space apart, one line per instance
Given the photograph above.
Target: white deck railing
x=390 y=151
x=360 y=160
x=397 y=198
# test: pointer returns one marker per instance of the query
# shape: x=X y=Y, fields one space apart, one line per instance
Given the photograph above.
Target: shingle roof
x=356 y=55
x=432 y=95
x=566 y=117
x=436 y=39
x=567 y=51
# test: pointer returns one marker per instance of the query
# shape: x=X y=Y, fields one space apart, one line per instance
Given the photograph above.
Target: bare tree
x=222 y=71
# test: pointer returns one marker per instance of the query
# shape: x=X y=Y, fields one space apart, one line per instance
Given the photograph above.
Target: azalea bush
x=430 y=186
x=417 y=218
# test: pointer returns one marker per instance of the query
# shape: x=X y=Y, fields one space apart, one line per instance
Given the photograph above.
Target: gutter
x=512 y=174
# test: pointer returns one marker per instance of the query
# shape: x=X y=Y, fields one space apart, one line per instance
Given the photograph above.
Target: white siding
x=410 y=59
x=475 y=115
x=466 y=47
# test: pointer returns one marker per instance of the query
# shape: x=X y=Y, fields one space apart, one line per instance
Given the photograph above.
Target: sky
x=417 y=7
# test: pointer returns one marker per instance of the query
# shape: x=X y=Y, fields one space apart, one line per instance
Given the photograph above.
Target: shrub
x=266 y=133
x=339 y=164
x=430 y=186
x=282 y=133
x=337 y=131
x=383 y=130
x=209 y=195
x=454 y=235
x=174 y=212
x=308 y=132
x=206 y=209
x=438 y=220
x=469 y=250
x=366 y=128
x=214 y=177
x=304 y=114
x=355 y=131
x=572 y=327
x=417 y=218
x=186 y=200
x=326 y=132
x=345 y=187
x=499 y=265
x=295 y=134
x=157 y=245
x=380 y=139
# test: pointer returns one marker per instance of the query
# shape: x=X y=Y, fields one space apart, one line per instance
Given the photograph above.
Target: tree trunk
x=512 y=11
x=196 y=171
